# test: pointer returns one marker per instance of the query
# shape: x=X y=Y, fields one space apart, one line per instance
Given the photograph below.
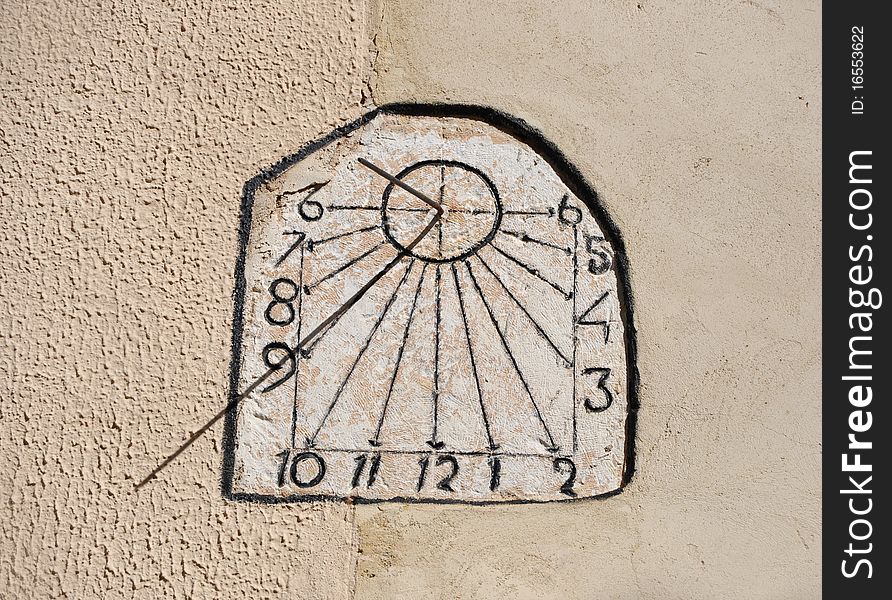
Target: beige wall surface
x=126 y=132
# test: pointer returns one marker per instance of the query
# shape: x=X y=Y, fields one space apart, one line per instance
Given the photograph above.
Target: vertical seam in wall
x=354 y=547
x=375 y=22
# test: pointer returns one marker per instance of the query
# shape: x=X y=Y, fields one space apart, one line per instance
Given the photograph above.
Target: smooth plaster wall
x=126 y=132
x=698 y=122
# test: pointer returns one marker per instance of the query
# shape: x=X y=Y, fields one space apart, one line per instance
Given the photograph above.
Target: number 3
x=589 y=404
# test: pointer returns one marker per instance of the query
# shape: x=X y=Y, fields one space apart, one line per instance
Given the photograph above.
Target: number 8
x=280 y=299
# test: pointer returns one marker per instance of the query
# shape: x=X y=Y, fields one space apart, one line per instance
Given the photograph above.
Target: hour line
x=313 y=244
x=538 y=327
x=464 y=318
x=468 y=211
x=440 y=222
x=541 y=213
x=349 y=207
x=300 y=316
x=531 y=240
x=344 y=267
x=550 y=444
x=533 y=271
x=575 y=338
x=434 y=442
x=312 y=440
x=376 y=440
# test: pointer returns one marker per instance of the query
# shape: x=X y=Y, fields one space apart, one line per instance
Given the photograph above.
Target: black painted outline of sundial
x=525 y=133
x=497 y=202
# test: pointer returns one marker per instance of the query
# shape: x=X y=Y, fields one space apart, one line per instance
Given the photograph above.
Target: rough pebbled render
x=127 y=130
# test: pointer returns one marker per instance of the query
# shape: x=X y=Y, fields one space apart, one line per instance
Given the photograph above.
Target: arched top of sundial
x=438 y=307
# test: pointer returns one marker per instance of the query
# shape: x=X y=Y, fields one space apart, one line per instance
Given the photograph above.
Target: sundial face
x=483 y=355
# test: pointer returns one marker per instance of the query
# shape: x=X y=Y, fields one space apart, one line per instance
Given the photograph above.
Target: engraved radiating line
x=532 y=271
x=434 y=443
x=469 y=211
x=525 y=311
x=376 y=440
x=300 y=316
x=345 y=266
x=528 y=239
x=308 y=350
x=473 y=211
x=315 y=244
x=312 y=440
x=540 y=213
x=550 y=445
x=351 y=207
x=464 y=318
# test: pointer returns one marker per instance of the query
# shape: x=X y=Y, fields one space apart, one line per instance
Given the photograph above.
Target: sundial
x=436 y=309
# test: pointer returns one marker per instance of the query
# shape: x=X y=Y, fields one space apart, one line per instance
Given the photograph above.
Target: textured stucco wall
x=126 y=132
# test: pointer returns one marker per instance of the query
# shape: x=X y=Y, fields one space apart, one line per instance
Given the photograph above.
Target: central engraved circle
x=471 y=217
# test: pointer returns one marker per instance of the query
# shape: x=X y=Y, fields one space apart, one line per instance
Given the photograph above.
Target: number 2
x=567 y=486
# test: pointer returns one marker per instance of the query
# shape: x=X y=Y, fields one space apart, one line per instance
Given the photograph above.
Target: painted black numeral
x=295 y=476
x=301 y=236
x=601 y=404
x=310 y=210
x=601 y=260
x=284 y=454
x=303 y=457
x=560 y=466
x=423 y=463
x=285 y=356
x=445 y=483
x=361 y=461
x=568 y=215
x=283 y=291
x=495 y=473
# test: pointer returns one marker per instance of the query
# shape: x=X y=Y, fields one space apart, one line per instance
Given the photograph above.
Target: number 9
x=279 y=364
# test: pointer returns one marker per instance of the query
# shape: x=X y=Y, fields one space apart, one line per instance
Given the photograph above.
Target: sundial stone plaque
x=488 y=361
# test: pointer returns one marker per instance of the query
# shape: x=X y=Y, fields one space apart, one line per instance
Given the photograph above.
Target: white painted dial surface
x=489 y=363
